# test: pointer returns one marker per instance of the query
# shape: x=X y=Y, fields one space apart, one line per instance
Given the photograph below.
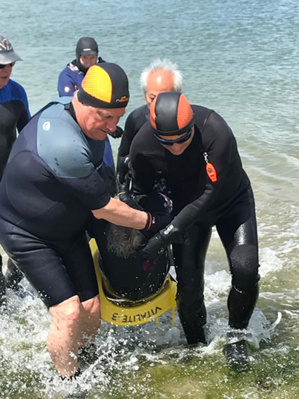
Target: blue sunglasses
x=179 y=140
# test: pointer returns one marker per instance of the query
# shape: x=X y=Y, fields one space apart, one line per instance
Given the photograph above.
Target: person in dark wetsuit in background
x=194 y=152
x=70 y=79
x=71 y=76
x=14 y=114
x=159 y=76
x=52 y=193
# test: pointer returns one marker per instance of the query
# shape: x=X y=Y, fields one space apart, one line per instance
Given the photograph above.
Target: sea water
x=240 y=59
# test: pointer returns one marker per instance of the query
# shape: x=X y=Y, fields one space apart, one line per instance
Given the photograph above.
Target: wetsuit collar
x=69 y=107
x=78 y=64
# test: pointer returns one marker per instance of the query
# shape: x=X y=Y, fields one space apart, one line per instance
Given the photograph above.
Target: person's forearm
x=117 y=212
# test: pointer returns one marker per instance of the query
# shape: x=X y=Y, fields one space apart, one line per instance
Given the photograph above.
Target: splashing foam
x=25 y=325
x=269 y=262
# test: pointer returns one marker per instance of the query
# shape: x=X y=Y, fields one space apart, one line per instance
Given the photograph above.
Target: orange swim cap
x=171 y=114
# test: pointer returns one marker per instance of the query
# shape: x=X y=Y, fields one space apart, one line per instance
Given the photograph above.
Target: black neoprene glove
x=118 y=132
x=155 y=222
x=166 y=236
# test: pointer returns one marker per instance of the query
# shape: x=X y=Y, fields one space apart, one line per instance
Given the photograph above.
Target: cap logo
x=5 y=45
x=123 y=99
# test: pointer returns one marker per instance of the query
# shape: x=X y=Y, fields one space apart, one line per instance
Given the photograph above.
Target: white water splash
x=269 y=262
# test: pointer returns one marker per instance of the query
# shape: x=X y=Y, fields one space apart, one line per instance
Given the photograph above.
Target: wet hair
x=124 y=241
x=162 y=64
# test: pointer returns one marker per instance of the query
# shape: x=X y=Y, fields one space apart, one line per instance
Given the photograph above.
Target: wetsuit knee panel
x=244 y=267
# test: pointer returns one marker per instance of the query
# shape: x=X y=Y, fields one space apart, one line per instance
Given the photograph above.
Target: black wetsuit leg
x=13 y=275
x=238 y=232
x=57 y=270
x=189 y=260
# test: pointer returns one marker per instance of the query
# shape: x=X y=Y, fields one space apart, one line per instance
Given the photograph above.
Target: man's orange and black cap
x=105 y=86
x=171 y=114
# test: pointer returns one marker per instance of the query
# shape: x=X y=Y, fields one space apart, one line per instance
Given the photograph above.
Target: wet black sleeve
x=124 y=148
x=143 y=175
x=128 y=135
x=134 y=122
x=142 y=152
x=23 y=120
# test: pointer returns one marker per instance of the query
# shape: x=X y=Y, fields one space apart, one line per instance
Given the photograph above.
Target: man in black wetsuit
x=192 y=152
x=14 y=114
x=159 y=76
x=52 y=193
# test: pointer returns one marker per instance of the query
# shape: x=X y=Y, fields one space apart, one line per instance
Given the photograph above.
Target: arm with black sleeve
x=174 y=233
x=25 y=113
x=123 y=152
x=134 y=122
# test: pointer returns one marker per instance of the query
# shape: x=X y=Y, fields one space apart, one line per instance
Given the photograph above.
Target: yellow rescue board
x=141 y=313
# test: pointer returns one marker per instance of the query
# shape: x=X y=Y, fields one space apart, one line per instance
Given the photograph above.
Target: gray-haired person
x=159 y=76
